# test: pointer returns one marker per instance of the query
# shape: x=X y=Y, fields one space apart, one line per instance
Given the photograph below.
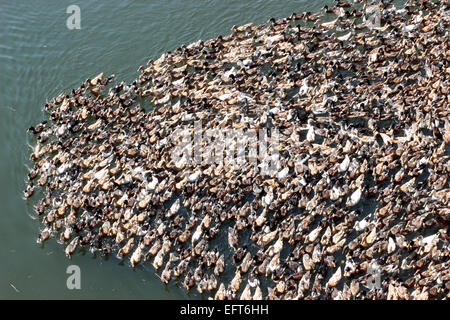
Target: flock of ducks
x=362 y=212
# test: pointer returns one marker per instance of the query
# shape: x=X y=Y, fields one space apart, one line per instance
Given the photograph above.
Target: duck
x=198 y=272
x=166 y=274
x=310 y=135
x=246 y=263
x=188 y=281
x=202 y=286
x=273 y=264
x=136 y=256
x=181 y=267
x=159 y=258
x=221 y=292
x=232 y=238
x=29 y=191
x=70 y=249
x=354 y=198
x=335 y=278
x=220 y=265
x=239 y=254
x=257 y=294
x=212 y=283
x=247 y=293
x=236 y=282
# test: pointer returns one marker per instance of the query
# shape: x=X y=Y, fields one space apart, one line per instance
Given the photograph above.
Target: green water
x=39 y=58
